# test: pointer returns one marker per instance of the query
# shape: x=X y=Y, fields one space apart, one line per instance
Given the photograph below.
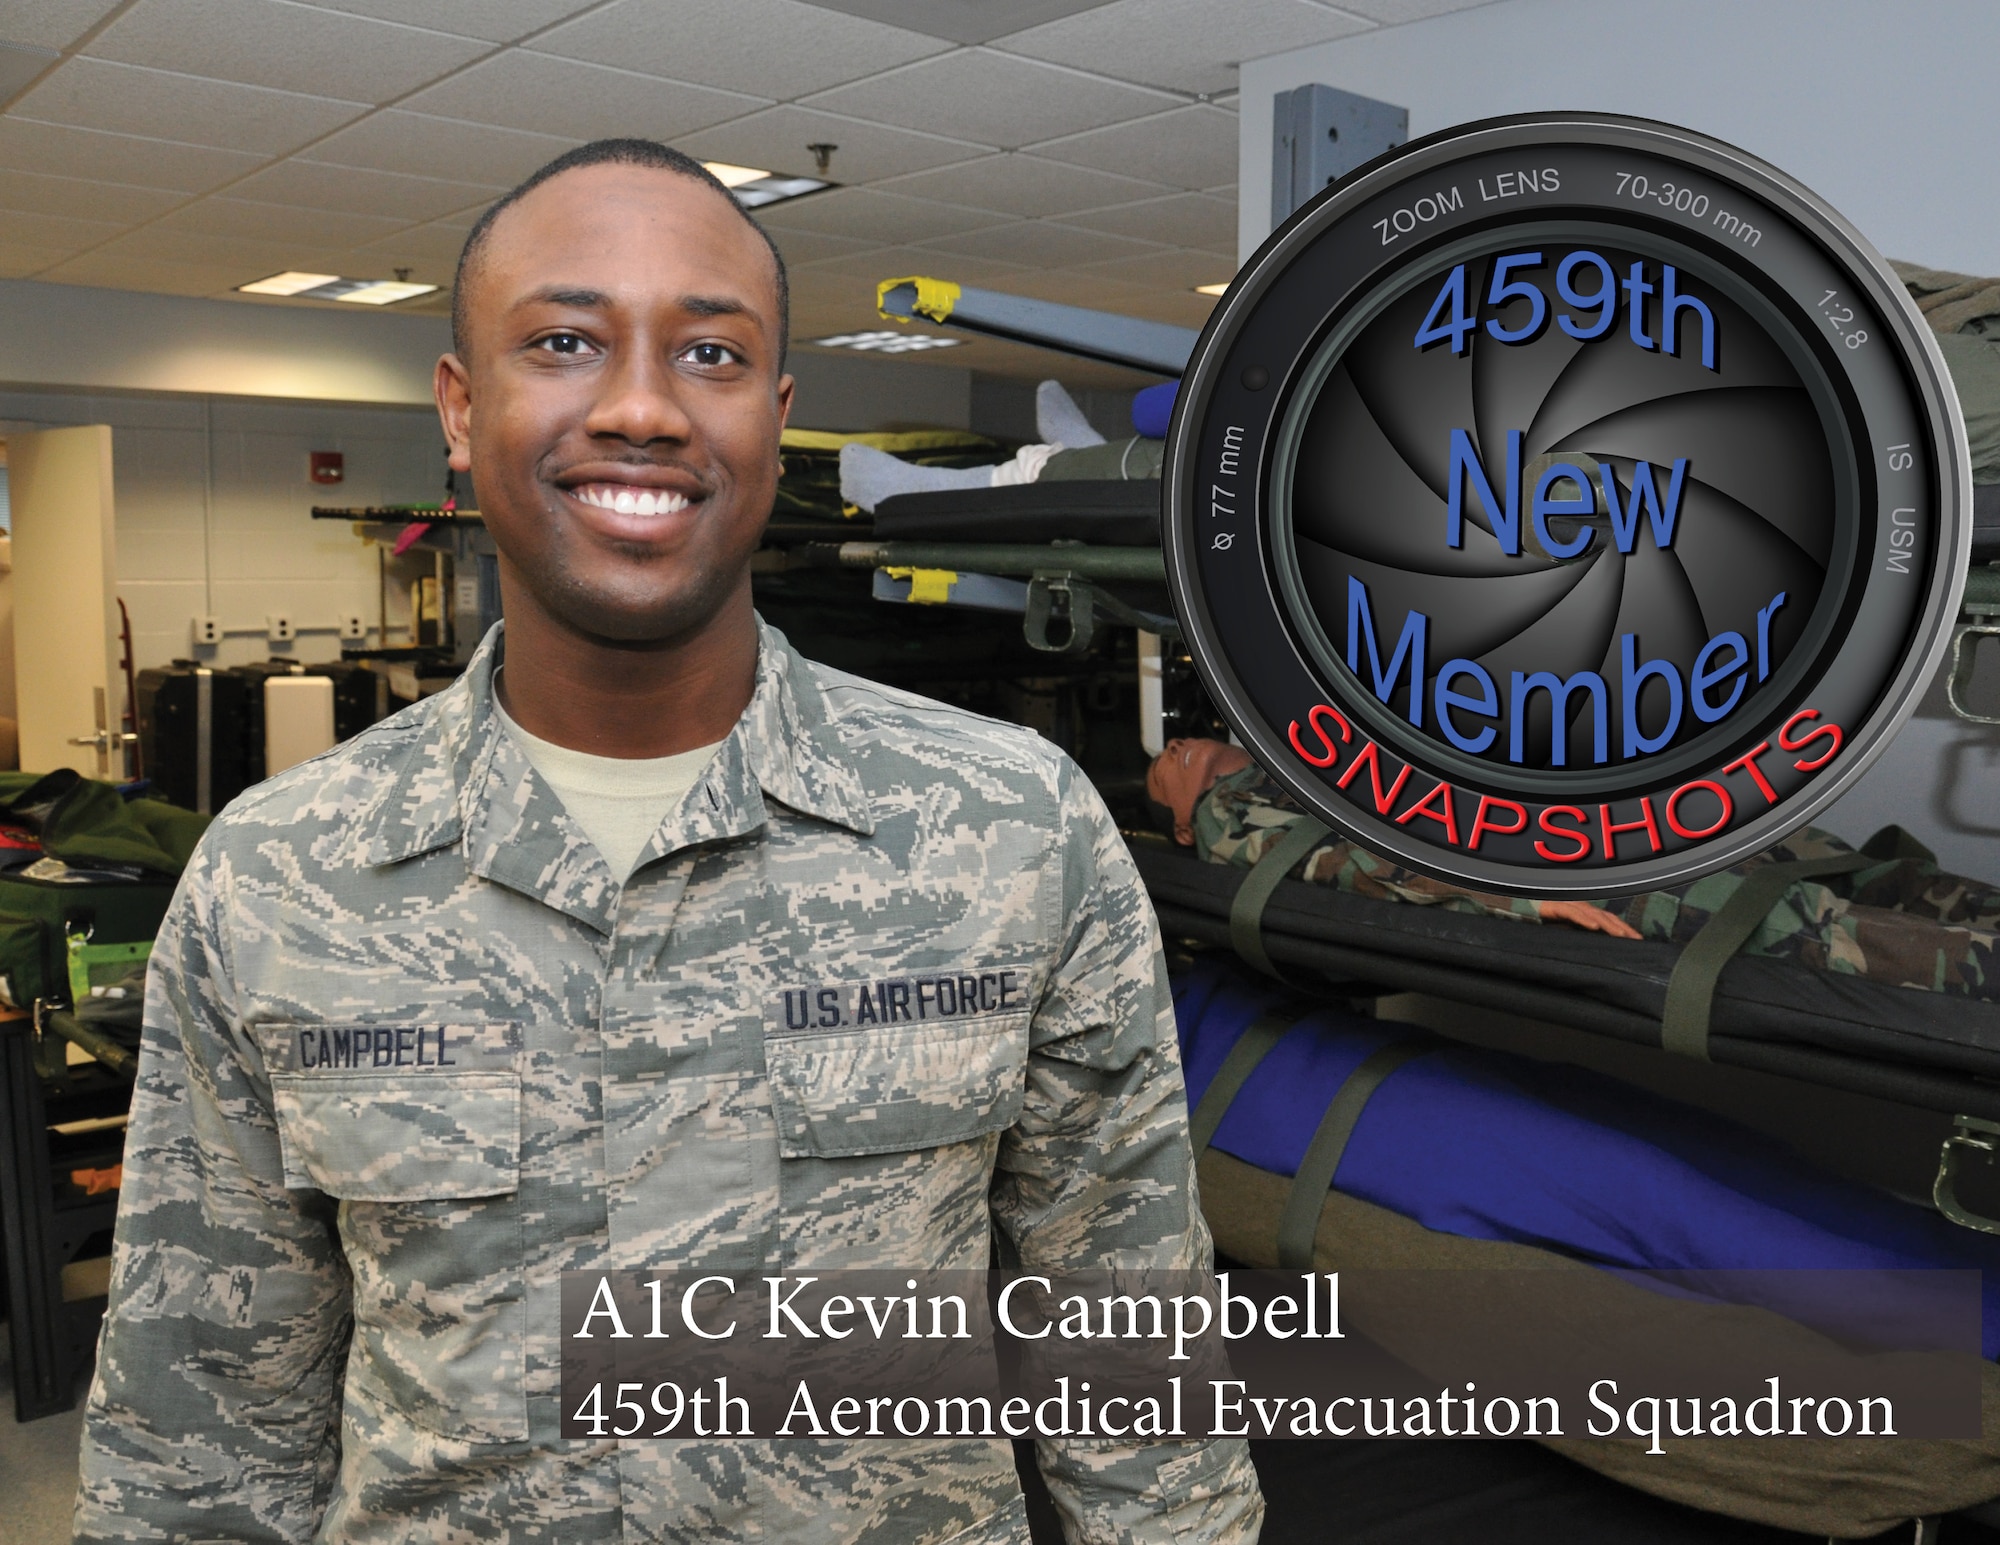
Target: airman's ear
x=451 y=385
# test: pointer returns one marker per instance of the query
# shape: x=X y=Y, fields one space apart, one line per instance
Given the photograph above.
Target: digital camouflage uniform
x=334 y=1307
x=1900 y=920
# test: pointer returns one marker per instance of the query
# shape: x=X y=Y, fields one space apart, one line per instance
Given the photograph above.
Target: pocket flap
x=875 y=1091
x=387 y=1138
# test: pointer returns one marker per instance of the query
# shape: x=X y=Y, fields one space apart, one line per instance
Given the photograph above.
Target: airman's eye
x=711 y=354
x=566 y=343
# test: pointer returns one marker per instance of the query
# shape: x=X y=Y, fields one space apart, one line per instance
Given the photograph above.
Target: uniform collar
x=463 y=778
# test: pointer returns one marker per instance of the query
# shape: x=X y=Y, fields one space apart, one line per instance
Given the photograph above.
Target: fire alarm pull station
x=329 y=466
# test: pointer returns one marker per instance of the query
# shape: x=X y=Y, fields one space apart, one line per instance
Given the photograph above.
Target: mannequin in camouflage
x=413 y=1048
x=1900 y=919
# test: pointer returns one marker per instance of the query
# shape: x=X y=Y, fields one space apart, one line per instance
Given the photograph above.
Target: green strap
x=1299 y=1223
x=1691 y=989
x=1246 y=912
x=1250 y=1049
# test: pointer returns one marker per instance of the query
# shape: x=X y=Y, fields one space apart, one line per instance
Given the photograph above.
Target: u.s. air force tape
x=1566 y=504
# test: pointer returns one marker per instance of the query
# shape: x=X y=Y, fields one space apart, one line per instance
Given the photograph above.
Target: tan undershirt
x=618 y=801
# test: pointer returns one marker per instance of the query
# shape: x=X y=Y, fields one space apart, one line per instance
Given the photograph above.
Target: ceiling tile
x=18 y=262
x=52 y=23
x=1391 y=12
x=421 y=146
x=114 y=201
x=66 y=151
x=284 y=46
x=768 y=48
x=1187 y=45
x=818 y=294
x=1191 y=147
x=128 y=273
x=123 y=99
x=497 y=21
x=314 y=185
x=255 y=258
x=869 y=269
x=800 y=247
x=777 y=138
x=1181 y=220
x=20 y=66
x=962 y=21
x=875 y=217
x=1023 y=185
x=1040 y=243
x=55 y=230
x=568 y=98
x=993 y=98
x=421 y=244
x=277 y=222
x=1177 y=269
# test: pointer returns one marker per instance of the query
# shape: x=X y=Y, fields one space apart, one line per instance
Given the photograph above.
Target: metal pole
x=1113 y=563
x=1156 y=346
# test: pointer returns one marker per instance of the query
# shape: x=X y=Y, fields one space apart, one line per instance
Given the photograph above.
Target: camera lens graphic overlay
x=1566 y=505
x=1749 y=522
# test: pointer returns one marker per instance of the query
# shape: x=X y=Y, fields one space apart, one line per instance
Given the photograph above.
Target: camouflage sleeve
x=213 y=1414
x=1098 y=1173
x=1244 y=814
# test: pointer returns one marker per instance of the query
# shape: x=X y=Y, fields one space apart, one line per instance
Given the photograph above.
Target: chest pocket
x=416 y=1129
x=399 y=1113
x=854 y=1092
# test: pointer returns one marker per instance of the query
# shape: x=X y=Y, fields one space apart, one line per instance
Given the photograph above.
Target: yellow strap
x=935 y=298
x=897 y=442
x=928 y=587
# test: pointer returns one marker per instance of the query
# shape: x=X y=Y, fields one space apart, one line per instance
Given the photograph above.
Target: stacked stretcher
x=1447 y=1158
x=1931 y=1049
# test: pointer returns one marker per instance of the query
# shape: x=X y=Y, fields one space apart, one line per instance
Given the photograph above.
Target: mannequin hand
x=1581 y=914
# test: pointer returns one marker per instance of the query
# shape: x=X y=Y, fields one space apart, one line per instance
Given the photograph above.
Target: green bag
x=115 y=865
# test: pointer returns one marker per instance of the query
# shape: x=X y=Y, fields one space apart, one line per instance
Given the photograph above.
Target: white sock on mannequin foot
x=868 y=476
x=1059 y=421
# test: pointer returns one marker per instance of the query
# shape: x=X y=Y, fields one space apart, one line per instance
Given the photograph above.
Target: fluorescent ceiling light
x=385 y=292
x=884 y=341
x=734 y=176
x=288 y=283
x=1211 y=289
x=365 y=292
x=769 y=190
x=753 y=185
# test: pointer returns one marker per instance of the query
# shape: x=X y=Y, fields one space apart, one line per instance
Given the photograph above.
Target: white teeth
x=629 y=501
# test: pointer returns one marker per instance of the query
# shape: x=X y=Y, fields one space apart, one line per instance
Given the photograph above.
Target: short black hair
x=614 y=152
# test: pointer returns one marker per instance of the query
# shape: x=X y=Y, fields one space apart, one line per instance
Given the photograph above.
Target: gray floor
x=37 y=1467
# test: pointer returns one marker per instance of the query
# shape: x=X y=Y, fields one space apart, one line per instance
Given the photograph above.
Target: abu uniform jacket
x=412 y=1051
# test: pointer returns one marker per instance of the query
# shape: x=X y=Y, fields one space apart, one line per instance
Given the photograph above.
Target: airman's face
x=621 y=407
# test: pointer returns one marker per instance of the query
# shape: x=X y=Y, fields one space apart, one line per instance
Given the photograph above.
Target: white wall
x=856 y=392
x=76 y=336
x=209 y=457
x=81 y=338
x=1885 y=108
x=212 y=510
